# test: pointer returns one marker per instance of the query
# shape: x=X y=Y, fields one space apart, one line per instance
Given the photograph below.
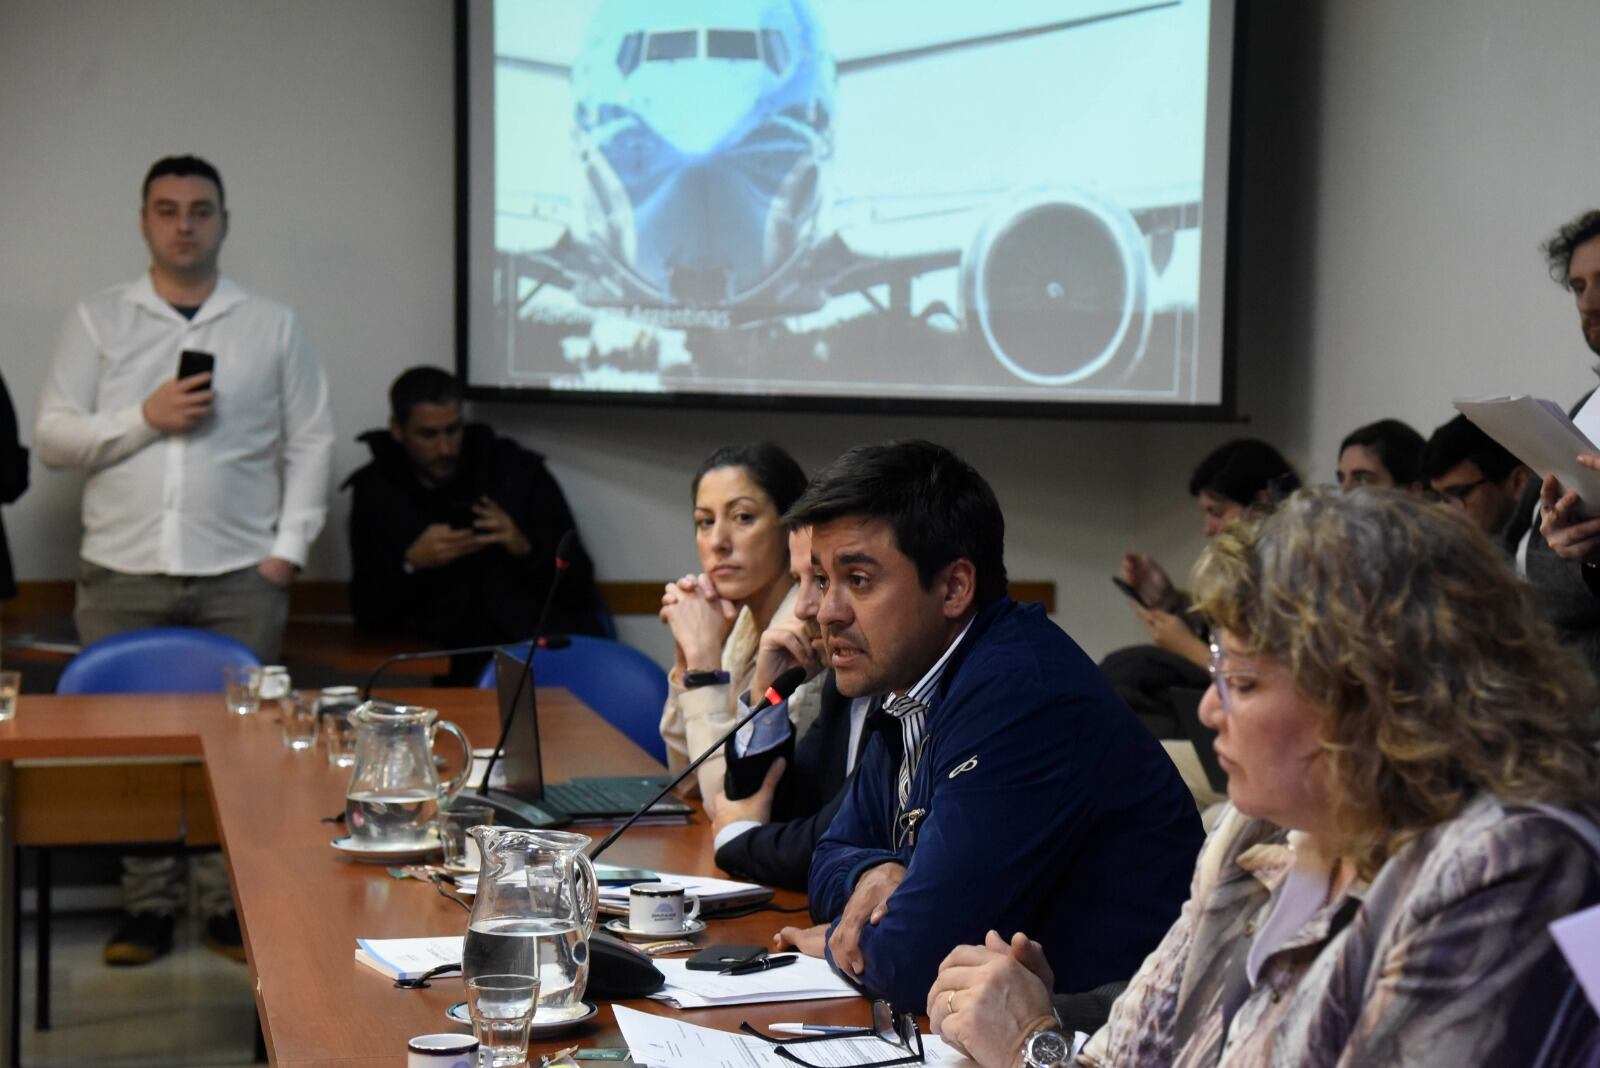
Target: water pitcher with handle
x=533 y=914
x=394 y=791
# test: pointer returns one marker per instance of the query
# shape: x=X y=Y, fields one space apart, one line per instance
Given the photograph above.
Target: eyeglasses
x=1457 y=493
x=899 y=1032
x=1217 y=664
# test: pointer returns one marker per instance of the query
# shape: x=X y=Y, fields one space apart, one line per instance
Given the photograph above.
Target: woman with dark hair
x=717 y=616
x=1241 y=477
x=1411 y=775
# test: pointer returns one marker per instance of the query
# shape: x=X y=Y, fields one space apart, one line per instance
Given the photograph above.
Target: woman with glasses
x=1412 y=776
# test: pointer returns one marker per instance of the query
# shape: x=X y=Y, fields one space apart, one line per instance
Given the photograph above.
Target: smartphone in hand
x=193 y=362
x=1132 y=594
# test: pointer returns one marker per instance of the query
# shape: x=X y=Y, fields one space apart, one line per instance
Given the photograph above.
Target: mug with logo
x=658 y=908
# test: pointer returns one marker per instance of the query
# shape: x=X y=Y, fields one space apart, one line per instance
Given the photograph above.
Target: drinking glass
x=501 y=1008
x=299 y=721
x=239 y=689
x=461 y=853
x=10 y=686
x=339 y=737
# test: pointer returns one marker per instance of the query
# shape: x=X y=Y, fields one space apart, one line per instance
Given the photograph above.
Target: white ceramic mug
x=658 y=908
x=442 y=1051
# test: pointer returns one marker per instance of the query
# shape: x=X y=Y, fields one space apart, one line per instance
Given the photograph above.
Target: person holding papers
x=1411 y=768
x=1004 y=783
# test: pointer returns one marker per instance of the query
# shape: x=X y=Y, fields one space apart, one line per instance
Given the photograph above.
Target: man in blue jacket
x=1006 y=786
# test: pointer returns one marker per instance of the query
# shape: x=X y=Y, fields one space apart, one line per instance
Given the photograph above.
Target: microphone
x=777 y=693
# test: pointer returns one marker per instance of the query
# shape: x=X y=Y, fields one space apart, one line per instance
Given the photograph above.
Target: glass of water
x=461 y=853
x=299 y=720
x=502 y=1008
x=10 y=686
x=239 y=689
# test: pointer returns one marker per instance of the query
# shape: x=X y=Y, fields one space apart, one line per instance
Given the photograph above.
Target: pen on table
x=811 y=1029
x=764 y=964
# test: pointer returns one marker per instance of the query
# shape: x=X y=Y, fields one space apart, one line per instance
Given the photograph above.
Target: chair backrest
x=619 y=682
x=155 y=660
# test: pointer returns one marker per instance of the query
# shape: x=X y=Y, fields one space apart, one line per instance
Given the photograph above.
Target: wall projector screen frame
x=626 y=333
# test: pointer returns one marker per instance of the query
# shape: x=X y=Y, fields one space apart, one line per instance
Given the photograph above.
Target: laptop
x=592 y=799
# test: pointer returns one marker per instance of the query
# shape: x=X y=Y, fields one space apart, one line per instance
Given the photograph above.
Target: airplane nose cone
x=705 y=107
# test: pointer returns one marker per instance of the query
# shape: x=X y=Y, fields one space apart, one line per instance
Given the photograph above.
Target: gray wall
x=1402 y=160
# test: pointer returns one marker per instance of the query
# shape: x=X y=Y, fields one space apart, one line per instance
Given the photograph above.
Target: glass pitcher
x=394 y=791
x=533 y=914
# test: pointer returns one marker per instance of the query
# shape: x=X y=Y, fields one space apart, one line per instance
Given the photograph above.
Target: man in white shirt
x=204 y=492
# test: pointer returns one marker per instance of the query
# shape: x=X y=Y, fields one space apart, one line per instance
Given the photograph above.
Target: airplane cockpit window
x=628 y=53
x=777 y=50
x=674 y=44
x=731 y=44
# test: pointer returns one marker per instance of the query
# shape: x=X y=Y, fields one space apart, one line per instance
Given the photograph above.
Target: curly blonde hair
x=1433 y=676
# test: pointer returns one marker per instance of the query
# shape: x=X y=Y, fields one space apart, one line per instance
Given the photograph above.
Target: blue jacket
x=1049 y=809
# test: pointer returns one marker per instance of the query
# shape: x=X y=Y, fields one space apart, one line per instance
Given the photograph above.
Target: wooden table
x=301 y=904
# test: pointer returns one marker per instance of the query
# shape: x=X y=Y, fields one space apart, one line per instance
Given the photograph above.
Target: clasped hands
x=440 y=544
x=988 y=999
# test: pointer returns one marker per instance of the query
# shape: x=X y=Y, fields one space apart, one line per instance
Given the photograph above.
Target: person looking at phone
x=204 y=491
x=453 y=531
x=1237 y=478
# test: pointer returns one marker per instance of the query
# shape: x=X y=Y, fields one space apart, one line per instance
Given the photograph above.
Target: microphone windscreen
x=566 y=547
x=785 y=685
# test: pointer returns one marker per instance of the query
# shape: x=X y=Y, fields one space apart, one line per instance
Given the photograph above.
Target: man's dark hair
x=1459 y=441
x=940 y=508
x=421 y=385
x=767 y=464
x=1399 y=448
x=182 y=167
x=1559 y=249
x=1242 y=470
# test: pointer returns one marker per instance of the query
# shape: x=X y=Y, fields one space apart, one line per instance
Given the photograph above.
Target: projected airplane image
x=706 y=239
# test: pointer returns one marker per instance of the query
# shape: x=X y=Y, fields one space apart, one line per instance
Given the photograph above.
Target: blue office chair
x=155 y=660
x=619 y=682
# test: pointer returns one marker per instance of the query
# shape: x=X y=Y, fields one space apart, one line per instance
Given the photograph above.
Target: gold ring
x=949 y=1001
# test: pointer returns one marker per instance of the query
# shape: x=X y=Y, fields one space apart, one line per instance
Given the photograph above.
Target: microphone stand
x=777 y=693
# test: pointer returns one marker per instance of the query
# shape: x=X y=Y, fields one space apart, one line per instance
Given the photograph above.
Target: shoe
x=140 y=938
x=222 y=936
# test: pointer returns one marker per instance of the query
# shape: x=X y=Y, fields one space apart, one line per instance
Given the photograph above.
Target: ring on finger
x=949 y=1001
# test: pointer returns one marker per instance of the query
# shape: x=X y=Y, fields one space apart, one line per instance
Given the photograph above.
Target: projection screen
x=1019 y=206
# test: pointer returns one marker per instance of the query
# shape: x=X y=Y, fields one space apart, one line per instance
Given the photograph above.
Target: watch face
x=1047 y=1047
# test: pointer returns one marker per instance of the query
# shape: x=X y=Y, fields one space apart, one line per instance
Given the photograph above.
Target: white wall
x=1402 y=161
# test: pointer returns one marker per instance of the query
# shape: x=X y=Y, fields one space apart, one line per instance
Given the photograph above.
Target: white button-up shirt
x=211 y=499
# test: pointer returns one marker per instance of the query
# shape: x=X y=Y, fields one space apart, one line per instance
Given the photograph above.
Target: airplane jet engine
x=1056 y=287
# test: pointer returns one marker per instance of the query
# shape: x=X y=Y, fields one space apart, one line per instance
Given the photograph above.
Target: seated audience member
x=1463 y=465
x=769 y=835
x=13 y=481
x=1412 y=772
x=453 y=531
x=1382 y=455
x=1004 y=784
x=717 y=616
x=1235 y=479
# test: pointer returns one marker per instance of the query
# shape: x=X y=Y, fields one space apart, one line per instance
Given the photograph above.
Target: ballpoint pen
x=811 y=1029
x=762 y=965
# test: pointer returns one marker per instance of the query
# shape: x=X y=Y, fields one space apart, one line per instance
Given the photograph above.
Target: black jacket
x=487 y=596
x=779 y=853
x=13 y=481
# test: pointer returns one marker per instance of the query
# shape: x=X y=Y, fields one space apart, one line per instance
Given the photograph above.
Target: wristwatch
x=695 y=679
x=1046 y=1048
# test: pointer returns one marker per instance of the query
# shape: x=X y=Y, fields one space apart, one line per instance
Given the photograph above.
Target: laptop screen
x=520 y=758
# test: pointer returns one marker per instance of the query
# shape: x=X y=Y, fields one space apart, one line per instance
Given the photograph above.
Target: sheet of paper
x=1578 y=936
x=808 y=978
x=407 y=958
x=708 y=888
x=1539 y=434
x=667 y=1042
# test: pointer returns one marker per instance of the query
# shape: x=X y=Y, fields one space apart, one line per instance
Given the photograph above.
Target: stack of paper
x=664 y=1042
x=1538 y=433
x=407 y=958
x=806 y=979
x=716 y=895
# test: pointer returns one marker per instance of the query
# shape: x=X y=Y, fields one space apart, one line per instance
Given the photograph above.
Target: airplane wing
x=906 y=55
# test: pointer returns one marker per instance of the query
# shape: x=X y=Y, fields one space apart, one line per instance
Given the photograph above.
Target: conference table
x=92 y=768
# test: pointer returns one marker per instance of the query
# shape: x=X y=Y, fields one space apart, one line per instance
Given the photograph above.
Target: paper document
x=667 y=1042
x=1538 y=433
x=1578 y=936
x=714 y=894
x=806 y=979
x=407 y=958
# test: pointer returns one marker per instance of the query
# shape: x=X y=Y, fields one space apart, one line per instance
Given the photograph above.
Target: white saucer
x=545 y=1021
x=620 y=927
x=376 y=853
